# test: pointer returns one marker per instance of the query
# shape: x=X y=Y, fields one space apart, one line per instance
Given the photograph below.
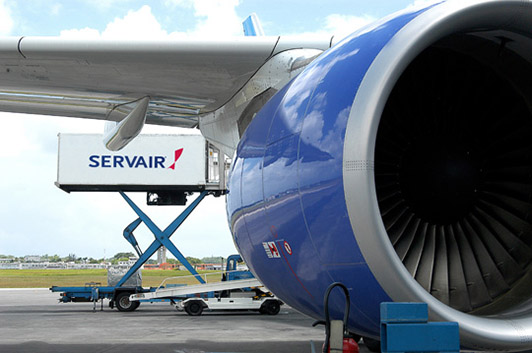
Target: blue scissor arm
x=162 y=238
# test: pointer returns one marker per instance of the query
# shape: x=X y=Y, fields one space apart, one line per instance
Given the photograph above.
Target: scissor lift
x=72 y=178
x=119 y=294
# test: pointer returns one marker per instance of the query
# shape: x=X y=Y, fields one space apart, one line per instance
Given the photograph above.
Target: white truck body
x=150 y=162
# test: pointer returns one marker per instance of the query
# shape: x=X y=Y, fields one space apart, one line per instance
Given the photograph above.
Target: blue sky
x=38 y=218
x=44 y=17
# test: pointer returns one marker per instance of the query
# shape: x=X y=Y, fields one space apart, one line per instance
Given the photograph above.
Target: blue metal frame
x=72 y=293
x=162 y=238
x=128 y=234
x=94 y=293
x=405 y=328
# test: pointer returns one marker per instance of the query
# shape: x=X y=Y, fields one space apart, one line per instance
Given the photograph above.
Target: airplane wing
x=104 y=79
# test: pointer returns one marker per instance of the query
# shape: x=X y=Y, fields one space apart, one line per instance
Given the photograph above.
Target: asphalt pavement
x=32 y=320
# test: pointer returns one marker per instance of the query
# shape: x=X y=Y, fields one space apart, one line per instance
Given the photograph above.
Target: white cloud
x=104 y=5
x=140 y=24
x=6 y=22
x=82 y=33
x=215 y=18
x=14 y=133
x=137 y=24
x=24 y=133
x=338 y=25
x=55 y=8
x=175 y=3
x=343 y=25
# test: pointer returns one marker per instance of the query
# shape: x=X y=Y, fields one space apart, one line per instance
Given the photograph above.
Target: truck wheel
x=124 y=304
x=270 y=307
x=194 y=308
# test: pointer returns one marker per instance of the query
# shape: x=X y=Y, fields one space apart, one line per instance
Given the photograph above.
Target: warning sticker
x=271 y=249
x=287 y=248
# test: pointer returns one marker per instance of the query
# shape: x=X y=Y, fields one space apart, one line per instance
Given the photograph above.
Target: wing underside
x=104 y=79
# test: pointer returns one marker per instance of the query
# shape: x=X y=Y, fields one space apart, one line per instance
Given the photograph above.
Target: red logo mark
x=274 y=231
x=177 y=154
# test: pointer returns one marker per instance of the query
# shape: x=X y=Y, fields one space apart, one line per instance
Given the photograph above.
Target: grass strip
x=63 y=278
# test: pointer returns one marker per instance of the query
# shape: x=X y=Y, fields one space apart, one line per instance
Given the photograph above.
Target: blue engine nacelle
x=400 y=164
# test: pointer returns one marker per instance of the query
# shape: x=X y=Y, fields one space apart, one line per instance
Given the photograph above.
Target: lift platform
x=168 y=175
x=198 y=288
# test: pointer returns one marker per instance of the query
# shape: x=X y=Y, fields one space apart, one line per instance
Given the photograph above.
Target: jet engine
x=400 y=164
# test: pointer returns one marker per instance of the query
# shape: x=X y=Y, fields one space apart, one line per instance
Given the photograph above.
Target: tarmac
x=32 y=320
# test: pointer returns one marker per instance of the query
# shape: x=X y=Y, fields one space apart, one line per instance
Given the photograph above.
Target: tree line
x=121 y=256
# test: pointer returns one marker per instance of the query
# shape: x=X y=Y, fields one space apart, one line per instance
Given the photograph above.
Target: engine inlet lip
x=427 y=28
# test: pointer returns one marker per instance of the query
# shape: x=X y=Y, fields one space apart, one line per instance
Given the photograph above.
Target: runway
x=32 y=320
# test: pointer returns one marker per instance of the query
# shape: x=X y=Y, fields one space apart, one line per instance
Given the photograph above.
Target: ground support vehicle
x=264 y=305
x=238 y=290
x=84 y=164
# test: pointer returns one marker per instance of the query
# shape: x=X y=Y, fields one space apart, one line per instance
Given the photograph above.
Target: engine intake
x=453 y=173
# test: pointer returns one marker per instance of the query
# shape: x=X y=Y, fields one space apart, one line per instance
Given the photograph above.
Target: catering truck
x=169 y=168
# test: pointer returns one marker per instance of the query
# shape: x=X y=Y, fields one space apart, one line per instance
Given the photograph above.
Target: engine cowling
x=400 y=164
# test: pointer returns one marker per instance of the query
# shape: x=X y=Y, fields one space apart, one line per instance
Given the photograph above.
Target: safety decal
x=287 y=248
x=271 y=249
